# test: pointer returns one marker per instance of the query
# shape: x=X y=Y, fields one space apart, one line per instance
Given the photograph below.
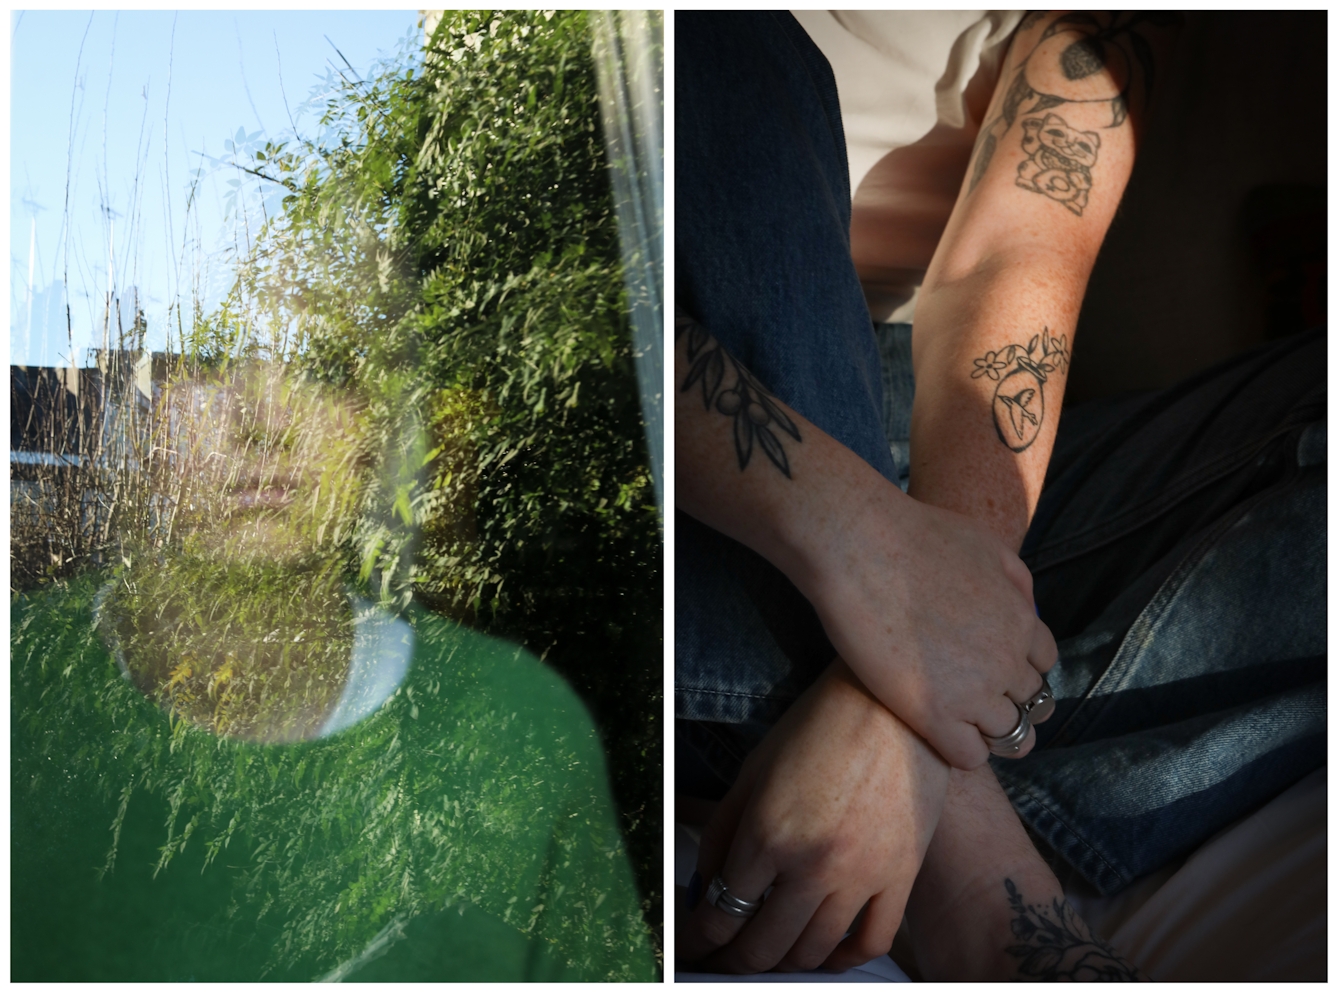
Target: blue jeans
x=1178 y=549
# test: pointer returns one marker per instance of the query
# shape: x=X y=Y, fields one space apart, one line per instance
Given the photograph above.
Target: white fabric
x=900 y=72
x=382 y=648
x=913 y=87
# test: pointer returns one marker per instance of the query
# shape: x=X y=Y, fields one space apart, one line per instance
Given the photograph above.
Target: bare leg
x=986 y=906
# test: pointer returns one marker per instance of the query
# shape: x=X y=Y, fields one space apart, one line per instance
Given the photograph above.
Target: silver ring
x=1010 y=743
x=1042 y=703
x=718 y=896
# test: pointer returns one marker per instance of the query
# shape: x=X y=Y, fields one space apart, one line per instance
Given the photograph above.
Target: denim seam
x=720 y=693
x=1075 y=835
x=1145 y=624
x=1047 y=557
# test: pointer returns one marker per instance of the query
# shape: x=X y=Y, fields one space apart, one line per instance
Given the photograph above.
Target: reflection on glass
x=276 y=778
x=245 y=629
x=240 y=749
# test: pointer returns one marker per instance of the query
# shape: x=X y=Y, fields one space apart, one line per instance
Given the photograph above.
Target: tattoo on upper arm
x=1054 y=944
x=732 y=390
x=1087 y=57
x=1061 y=160
x=1022 y=372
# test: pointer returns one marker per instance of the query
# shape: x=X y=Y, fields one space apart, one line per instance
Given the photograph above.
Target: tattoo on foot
x=1087 y=57
x=733 y=391
x=1022 y=372
x=1054 y=944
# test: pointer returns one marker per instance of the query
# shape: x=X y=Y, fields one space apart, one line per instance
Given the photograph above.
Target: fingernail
x=694 y=890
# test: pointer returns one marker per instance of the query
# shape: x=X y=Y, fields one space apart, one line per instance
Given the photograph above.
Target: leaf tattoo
x=732 y=390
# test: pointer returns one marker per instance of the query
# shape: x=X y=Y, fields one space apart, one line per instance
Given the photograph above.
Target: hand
x=833 y=811
x=934 y=614
x=932 y=611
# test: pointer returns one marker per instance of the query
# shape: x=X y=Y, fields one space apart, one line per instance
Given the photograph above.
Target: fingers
x=822 y=935
x=961 y=746
x=874 y=935
x=1005 y=714
x=720 y=829
x=1043 y=653
x=1018 y=573
x=708 y=928
x=765 y=938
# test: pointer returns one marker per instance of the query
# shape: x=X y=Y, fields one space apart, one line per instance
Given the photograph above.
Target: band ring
x=719 y=896
x=1009 y=744
x=1042 y=703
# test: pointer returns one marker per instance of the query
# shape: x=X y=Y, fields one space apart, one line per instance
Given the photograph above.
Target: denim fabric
x=1179 y=557
x=762 y=244
x=1178 y=549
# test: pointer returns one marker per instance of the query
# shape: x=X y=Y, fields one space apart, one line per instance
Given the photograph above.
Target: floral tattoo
x=1053 y=944
x=733 y=391
x=1022 y=372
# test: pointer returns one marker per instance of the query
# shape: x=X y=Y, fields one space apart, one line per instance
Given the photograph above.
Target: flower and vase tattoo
x=1021 y=372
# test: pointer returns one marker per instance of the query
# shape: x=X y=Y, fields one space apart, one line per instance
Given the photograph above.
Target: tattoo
x=1055 y=945
x=1088 y=57
x=1061 y=161
x=1022 y=372
x=736 y=393
x=1030 y=20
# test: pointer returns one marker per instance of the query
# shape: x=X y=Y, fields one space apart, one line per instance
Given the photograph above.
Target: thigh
x=1179 y=556
x=762 y=218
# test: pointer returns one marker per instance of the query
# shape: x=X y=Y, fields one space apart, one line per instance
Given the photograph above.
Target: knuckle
x=716 y=929
x=870 y=946
x=807 y=959
x=754 y=959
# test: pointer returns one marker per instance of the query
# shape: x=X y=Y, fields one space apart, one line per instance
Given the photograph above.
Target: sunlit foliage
x=448 y=247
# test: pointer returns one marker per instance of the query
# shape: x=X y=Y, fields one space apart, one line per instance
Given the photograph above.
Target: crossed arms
x=923 y=597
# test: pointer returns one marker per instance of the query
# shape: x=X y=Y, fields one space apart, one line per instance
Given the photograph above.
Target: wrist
x=821 y=541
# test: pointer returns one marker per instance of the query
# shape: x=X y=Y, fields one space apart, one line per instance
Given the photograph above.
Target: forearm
x=753 y=469
x=1000 y=301
x=986 y=907
x=991 y=361
x=931 y=611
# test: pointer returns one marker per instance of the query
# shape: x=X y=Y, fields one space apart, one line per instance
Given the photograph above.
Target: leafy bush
x=448 y=246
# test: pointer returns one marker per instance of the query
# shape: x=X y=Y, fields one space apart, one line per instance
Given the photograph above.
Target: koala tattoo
x=1060 y=162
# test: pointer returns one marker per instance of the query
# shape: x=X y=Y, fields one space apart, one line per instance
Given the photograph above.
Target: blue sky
x=90 y=109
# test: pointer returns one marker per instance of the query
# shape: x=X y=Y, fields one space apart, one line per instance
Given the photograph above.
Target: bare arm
x=992 y=337
x=931 y=611
x=995 y=323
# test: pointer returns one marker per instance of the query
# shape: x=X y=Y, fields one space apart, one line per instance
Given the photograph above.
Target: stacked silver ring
x=1041 y=704
x=718 y=896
